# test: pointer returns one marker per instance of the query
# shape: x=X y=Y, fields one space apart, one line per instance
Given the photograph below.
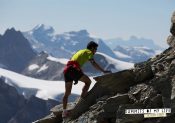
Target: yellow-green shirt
x=82 y=56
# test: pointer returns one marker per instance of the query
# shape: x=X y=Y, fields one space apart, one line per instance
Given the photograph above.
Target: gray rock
x=171 y=41
x=172 y=29
x=173 y=17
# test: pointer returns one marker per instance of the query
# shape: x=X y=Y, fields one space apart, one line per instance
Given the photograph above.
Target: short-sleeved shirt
x=82 y=56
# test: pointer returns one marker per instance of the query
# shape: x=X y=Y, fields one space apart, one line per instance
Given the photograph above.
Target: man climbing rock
x=72 y=72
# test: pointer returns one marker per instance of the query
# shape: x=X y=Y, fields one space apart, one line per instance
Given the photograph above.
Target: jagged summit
x=12 y=32
x=43 y=28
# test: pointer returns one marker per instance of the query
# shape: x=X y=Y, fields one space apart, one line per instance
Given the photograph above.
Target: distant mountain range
x=18 y=55
x=18 y=51
x=63 y=45
x=134 y=54
x=133 y=41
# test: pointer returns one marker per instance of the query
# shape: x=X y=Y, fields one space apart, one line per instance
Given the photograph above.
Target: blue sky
x=105 y=19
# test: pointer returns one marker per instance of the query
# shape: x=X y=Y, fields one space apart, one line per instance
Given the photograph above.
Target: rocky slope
x=150 y=85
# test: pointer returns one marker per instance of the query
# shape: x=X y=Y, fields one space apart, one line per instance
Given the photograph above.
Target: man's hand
x=98 y=66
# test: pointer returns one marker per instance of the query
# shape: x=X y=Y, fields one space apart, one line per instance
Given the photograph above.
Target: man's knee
x=88 y=83
x=88 y=80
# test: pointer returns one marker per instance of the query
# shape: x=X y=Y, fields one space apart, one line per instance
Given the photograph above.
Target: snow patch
x=33 y=67
x=43 y=68
x=121 y=55
x=74 y=42
x=61 y=60
x=120 y=65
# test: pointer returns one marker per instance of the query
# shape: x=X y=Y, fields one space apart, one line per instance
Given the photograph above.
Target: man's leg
x=68 y=88
x=87 y=82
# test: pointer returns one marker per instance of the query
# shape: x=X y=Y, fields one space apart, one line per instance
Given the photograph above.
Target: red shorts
x=72 y=74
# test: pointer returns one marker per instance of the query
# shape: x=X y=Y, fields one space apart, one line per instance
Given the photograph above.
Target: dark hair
x=91 y=45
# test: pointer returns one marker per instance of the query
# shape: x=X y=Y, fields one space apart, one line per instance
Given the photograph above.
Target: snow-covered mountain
x=134 y=49
x=15 y=50
x=17 y=55
x=134 y=54
x=62 y=45
x=133 y=41
x=42 y=38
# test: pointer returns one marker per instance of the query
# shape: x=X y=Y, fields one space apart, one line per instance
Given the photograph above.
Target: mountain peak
x=12 y=33
x=15 y=50
x=11 y=30
x=43 y=28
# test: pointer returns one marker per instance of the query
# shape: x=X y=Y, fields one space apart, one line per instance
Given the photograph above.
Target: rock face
x=171 y=38
x=10 y=101
x=151 y=84
x=14 y=108
x=15 y=50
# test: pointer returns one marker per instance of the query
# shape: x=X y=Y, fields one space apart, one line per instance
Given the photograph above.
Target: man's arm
x=98 y=66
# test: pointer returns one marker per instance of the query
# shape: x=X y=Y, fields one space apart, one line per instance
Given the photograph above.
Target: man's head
x=92 y=46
